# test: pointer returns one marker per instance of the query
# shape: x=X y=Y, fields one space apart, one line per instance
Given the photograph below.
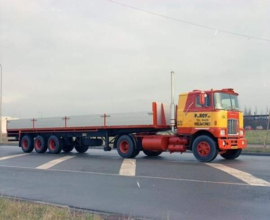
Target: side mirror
x=202 y=98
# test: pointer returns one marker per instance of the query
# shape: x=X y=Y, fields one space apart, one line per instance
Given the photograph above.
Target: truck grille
x=232 y=126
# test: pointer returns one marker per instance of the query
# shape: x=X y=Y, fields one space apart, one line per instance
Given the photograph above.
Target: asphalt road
x=168 y=187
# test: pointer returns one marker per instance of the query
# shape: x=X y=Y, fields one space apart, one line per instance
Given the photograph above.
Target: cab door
x=202 y=113
x=185 y=113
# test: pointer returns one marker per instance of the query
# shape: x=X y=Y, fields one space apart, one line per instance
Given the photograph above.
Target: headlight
x=222 y=132
x=241 y=132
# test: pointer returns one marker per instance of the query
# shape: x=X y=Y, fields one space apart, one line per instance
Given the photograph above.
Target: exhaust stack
x=172 y=103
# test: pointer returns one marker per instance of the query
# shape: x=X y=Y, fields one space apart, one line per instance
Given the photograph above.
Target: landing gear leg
x=107 y=142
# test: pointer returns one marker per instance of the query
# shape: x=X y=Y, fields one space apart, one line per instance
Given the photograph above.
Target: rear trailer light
x=243 y=142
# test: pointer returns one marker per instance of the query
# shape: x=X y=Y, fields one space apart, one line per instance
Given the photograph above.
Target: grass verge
x=17 y=210
x=257 y=137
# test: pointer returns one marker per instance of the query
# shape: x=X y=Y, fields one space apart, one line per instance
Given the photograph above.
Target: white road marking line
x=246 y=177
x=13 y=156
x=117 y=175
x=128 y=168
x=143 y=177
x=138 y=184
x=52 y=163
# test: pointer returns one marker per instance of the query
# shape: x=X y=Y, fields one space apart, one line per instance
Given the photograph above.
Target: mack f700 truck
x=207 y=123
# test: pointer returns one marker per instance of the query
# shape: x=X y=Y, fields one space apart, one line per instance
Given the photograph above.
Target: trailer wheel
x=231 y=154
x=152 y=153
x=126 y=147
x=68 y=148
x=40 y=144
x=204 y=148
x=81 y=149
x=55 y=145
x=27 y=144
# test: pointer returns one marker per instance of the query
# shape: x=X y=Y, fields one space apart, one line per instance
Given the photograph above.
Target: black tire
x=136 y=143
x=115 y=141
x=152 y=153
x=27 y=144
x=231 y=154
x=126 y=147
x=204 y=149
x=137 y=153
x=81 y=149
x=68 y=148
x=40 y=144
x=55 y=145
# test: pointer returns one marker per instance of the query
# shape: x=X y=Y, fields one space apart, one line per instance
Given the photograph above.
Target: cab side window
x=207 y=101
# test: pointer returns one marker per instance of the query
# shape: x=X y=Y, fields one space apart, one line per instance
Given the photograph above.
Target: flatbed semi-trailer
x=86 y=131
x=207 y=123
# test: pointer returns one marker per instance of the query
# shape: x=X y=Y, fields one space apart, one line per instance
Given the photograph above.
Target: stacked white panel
x=115 y=119
x=85 y=121
x=55 y=122
x=132 y=119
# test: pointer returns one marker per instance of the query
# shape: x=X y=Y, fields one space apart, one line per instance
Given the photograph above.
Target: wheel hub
x=52 y=145
x=38 y=144
x=25 y=144
x=124 y=147
x=203 y=149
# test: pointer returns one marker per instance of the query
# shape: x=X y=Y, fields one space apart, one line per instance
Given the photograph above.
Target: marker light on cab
x=241 y=132
x=222 y=132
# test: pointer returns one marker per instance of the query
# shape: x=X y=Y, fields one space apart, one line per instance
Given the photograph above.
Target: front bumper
x=228 y=144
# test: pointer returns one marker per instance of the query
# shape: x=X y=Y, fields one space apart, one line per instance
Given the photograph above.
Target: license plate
x=234 y=147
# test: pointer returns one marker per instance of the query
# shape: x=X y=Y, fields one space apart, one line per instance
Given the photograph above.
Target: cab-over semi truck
x=207 y=123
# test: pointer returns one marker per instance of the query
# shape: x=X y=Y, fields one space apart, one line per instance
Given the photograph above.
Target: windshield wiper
x=235 y=109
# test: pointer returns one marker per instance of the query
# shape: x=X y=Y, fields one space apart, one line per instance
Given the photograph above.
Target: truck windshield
x=226 y=101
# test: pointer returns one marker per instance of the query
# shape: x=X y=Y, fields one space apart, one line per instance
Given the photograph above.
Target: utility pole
x=1 y=105
x=266 y=137
x=172 y=103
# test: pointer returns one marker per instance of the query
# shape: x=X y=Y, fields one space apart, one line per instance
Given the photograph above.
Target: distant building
x=256 y=122
x=4 y=123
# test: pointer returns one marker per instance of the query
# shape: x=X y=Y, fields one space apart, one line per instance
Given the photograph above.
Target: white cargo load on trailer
x=159 y=116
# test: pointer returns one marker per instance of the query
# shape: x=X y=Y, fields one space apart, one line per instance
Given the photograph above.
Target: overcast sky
x=92 y=56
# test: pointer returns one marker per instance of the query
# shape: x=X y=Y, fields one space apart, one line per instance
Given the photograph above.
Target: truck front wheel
x=204 y=148
x=231 y=154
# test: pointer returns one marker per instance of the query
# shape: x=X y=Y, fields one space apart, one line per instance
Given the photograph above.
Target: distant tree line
x=250 y=111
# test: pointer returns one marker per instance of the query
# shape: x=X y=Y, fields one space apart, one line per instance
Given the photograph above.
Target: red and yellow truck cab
x=215 y=113
x=208 y=123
